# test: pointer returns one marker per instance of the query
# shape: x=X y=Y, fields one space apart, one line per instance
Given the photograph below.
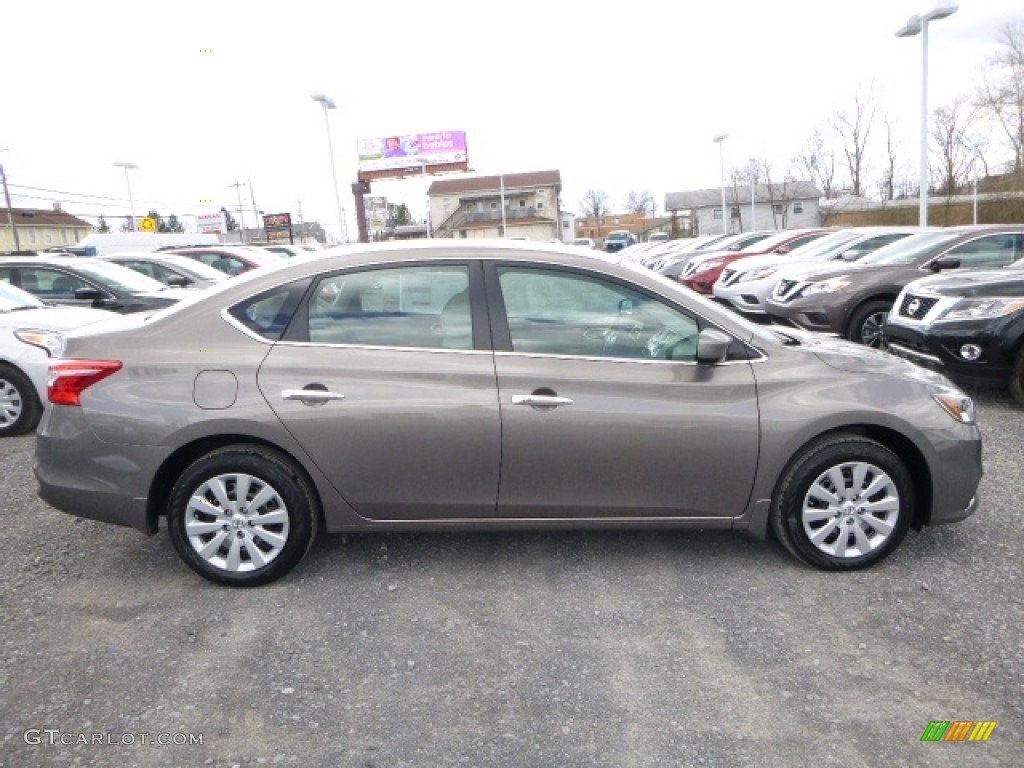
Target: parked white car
x=26 y=324
x=745 y=284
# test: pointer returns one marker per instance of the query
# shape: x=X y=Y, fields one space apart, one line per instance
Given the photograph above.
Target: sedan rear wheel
x=844 y=503
x=20 y=408
x=242 y=516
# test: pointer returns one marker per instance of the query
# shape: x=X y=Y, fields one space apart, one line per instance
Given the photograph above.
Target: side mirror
x=88 y=294
x=945 y=262
x=851 y=255
x=782 y=250
x=712 y=346
x=178 y=281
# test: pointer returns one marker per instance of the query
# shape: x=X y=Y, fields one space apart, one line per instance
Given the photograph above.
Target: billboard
x=401 y=155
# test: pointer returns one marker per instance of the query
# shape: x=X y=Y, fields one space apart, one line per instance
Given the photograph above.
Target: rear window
x=268 y=314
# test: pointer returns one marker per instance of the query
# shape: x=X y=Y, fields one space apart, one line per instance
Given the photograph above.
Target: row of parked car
x=948 y=298
x=56 y=291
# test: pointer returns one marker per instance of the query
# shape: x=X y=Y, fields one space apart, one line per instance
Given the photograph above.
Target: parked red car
x=702 y=272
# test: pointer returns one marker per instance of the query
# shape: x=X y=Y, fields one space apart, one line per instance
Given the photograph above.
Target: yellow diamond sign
x=148 y=224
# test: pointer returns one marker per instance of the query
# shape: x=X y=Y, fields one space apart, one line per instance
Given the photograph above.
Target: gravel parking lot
x=526 y=649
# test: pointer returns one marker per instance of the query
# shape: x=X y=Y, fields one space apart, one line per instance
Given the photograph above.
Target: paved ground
x=594 y=649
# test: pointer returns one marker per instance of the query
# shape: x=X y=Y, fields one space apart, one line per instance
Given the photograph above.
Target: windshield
x=771 y=242
x=118 y=278
x=193 y=267
x=908 y=250
x=12 y=297
x=826 y=244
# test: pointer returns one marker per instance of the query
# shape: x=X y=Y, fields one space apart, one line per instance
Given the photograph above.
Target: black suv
x=968 y=325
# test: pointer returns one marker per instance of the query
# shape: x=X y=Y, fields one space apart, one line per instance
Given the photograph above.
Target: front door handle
x=541 y=400
x=319 y=395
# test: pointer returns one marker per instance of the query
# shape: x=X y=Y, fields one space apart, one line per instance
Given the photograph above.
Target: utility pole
x=241 y=213
x=255 y=211
x=10 y=213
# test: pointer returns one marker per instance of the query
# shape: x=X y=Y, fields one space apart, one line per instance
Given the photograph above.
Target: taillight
x=67 y=379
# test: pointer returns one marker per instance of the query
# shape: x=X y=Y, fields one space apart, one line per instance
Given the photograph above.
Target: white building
x=782 y=205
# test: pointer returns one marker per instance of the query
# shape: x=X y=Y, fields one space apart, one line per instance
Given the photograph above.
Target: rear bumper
x=83 y=476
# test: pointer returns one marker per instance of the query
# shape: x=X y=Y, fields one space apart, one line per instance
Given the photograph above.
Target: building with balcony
x=512 y=205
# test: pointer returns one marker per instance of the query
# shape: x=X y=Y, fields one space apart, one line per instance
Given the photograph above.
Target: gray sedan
x=477 y=385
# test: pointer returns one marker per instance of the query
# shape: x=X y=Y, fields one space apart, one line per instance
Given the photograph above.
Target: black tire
x=20 y=408
x=867 y=324
x=1017 y=378
x=869 y=535
x=236 y=544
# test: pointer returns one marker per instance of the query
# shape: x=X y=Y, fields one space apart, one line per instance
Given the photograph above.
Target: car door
x=386 y=379
x=604 y=410
x=59 y=286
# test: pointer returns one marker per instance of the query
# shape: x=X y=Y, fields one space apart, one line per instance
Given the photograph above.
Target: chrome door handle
x=542 y=400
x=310 y=394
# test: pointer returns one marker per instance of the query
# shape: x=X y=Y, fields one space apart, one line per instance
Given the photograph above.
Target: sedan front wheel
x=242 y=516
x=846 y=502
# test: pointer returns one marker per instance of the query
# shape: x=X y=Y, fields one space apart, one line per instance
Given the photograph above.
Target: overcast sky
x=614 y=96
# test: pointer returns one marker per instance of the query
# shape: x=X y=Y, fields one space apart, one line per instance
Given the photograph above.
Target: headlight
x=704 y=267
x=827 y=286
x=757 y=274
x=957 y=405
x=981 y=309
x=51 y=341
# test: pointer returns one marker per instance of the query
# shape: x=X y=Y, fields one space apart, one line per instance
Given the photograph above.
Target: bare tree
x=887 y=186
x=595 y=204
x=1001 y=94
x=641 y=202
x=956 y=147
x=854 y=129
x=818 y=163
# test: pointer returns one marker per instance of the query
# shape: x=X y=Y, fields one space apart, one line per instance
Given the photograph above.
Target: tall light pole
x=719 y=139
x=328 y=103
x=426 y=193
x=918 y=24
x=131 y=201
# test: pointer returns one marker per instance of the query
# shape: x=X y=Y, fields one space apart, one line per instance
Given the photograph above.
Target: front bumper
x=938 y=347
x=804 y=314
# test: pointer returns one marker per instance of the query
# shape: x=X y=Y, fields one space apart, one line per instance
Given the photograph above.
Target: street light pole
x=131 y=201
x=918 y=24
x=327 y=103
x=719 y=139
x=426 y=193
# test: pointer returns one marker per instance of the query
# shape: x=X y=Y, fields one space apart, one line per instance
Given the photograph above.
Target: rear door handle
x=541 y=400
x=321 y=395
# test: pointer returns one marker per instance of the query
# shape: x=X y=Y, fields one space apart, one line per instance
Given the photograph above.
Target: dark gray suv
x=853 y=300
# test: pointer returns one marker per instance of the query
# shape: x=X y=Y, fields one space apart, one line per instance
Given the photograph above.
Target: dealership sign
x=211 y=223
x=400 y=155
x=278 y=227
